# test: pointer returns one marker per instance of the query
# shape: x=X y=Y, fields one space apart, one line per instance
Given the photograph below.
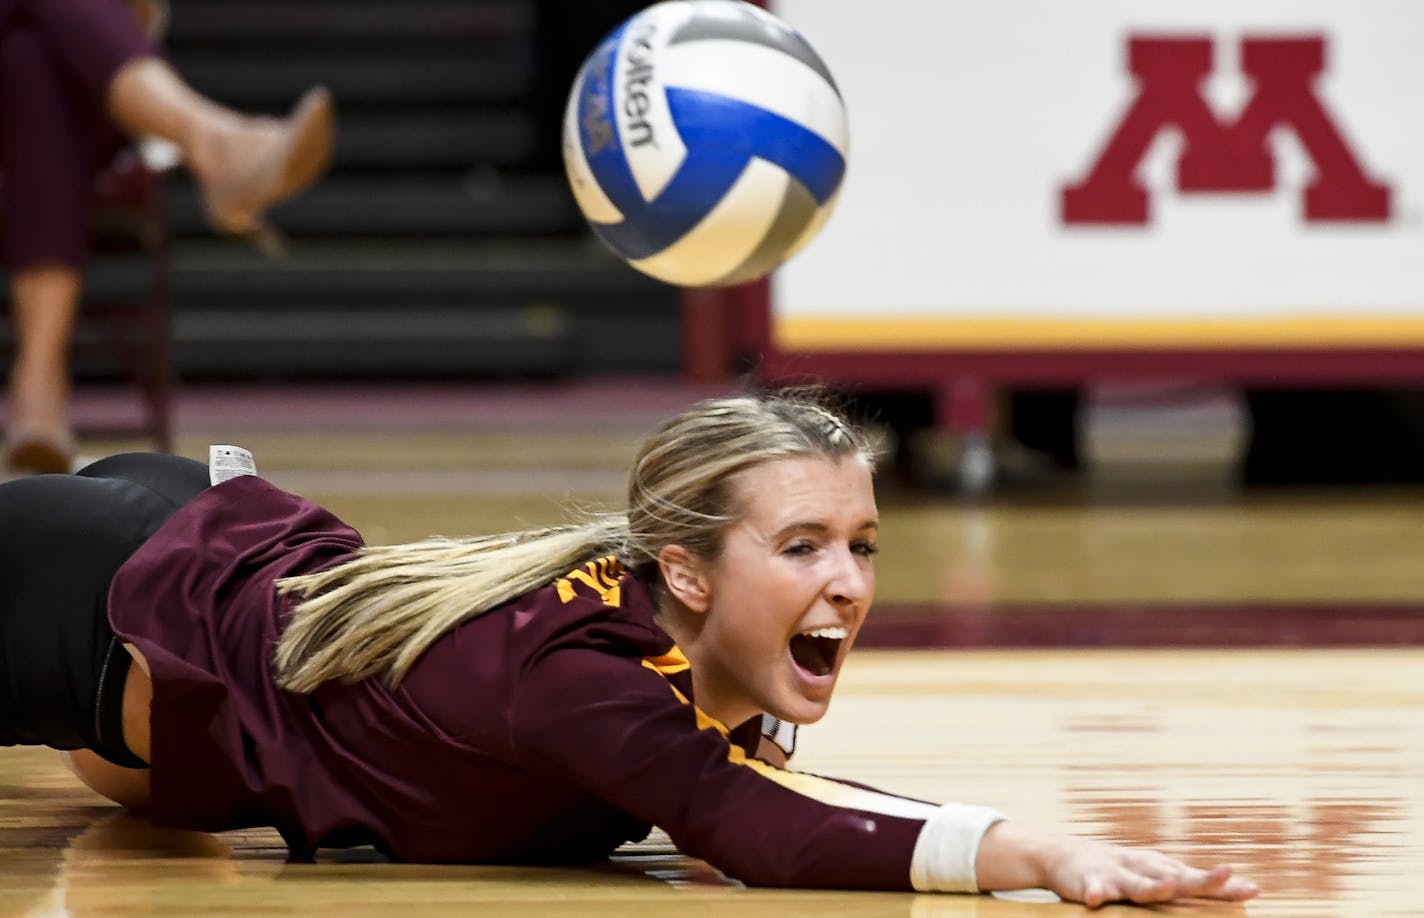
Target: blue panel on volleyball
x=721 y=135
x=735 y=121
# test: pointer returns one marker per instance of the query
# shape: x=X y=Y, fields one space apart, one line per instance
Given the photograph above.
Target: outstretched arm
x=1014 y=856
x=619 y=730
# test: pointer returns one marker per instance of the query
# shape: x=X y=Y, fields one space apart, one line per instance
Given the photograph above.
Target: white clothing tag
x=225 y=462
x=780 y=732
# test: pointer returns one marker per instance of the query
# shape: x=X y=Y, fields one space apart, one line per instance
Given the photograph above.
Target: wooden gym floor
x=1227 y=676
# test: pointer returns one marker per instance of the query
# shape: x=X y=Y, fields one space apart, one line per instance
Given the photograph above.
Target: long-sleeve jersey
x=552 y=728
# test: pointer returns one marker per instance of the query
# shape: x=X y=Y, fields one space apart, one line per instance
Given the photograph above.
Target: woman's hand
x=1092 y=872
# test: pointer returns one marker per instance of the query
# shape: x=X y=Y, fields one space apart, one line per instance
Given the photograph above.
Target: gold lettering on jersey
x=610 y=570
x=674 y=661
x=602 y=576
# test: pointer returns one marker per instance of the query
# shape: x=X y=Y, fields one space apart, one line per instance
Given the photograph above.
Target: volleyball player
x=234 y=656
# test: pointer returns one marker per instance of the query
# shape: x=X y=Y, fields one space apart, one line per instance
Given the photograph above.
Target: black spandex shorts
x=62 y=538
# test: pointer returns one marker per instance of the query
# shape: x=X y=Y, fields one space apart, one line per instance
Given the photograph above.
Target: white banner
x=1172 y=173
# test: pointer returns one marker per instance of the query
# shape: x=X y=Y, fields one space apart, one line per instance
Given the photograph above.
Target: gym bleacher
x=443 y=243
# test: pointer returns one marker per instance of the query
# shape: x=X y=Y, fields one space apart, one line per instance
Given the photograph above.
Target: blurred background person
x=79 y=79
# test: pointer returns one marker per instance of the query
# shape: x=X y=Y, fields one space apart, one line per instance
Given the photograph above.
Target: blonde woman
x=537 y=696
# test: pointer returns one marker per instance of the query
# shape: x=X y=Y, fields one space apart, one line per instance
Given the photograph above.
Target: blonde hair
x=377 y=613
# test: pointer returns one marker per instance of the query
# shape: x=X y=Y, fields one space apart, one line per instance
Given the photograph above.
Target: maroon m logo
x=1225 y=155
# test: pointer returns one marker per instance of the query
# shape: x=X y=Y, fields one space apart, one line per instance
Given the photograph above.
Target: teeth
x=839 y=634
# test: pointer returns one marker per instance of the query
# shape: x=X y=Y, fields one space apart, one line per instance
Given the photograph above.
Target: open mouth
x=816 y=651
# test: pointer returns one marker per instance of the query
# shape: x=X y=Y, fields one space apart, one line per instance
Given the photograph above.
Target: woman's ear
x=685 y=576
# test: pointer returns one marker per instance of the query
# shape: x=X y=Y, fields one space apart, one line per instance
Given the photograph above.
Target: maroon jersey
x=550 y=729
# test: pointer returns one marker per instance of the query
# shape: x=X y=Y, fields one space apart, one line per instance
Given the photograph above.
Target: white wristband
x=947 y=847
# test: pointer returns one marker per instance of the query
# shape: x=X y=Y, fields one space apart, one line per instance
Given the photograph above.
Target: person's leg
x=244 y=164
x=44 y=300
x=92 y=38
x=46 y=153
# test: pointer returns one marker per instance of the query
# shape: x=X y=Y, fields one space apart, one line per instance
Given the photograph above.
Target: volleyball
x=705 y=141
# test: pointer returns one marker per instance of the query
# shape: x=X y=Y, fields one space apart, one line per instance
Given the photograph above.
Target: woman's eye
x=865 y=548
x=800 y=548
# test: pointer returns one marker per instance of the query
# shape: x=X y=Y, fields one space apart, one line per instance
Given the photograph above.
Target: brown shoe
x=32 y=452
x=271 y=161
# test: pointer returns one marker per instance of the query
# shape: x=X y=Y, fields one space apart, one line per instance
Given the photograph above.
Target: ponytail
x=376 y=614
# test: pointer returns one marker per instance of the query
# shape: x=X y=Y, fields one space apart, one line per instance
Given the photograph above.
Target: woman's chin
x=806 y=700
